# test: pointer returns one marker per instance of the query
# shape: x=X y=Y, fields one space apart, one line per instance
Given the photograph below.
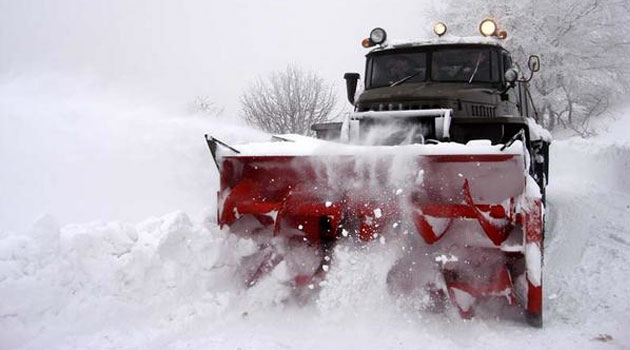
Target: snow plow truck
x=442 y=151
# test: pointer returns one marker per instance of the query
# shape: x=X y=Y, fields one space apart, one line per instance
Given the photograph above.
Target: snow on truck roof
x=445 y=40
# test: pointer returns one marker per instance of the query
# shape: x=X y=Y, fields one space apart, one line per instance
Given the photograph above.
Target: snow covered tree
x=289 y=101
x=584 y=48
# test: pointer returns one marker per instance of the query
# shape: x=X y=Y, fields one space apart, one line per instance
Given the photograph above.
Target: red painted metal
x=312 y=199
x=427 y=231
x=534 y=235
x=497 y=234
x=497 y=285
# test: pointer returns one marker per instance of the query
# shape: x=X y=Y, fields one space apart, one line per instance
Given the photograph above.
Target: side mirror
x=533 y=63
x=351 y=85
x=511 y=75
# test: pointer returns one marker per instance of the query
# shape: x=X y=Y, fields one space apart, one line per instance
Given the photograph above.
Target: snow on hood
x=297 y=145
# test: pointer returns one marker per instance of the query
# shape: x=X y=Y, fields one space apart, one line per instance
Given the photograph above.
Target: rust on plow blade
x=478 y=203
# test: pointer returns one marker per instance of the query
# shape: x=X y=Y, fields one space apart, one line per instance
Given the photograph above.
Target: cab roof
x=446 y=40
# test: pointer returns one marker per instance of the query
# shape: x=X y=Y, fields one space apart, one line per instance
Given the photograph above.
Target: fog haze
x=173 y=51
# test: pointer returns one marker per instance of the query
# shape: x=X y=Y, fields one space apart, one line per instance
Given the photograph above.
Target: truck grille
x=474 y=110
x=399 y=106
x=481 y=111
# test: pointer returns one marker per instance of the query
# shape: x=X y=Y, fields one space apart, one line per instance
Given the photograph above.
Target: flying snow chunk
x=328 y=204
x=399 y=191
x=445 y=258
x=378 y=213
x=344 y=232
x=420 y=177
x=281 y=272
x=463 y=298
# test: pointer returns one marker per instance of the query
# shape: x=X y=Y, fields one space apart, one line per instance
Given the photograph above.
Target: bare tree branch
x=289 y=101
x=583 y=46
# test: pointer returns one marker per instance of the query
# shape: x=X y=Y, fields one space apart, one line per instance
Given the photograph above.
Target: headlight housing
x=378 y=36
x=488 y=27
x=440 y=28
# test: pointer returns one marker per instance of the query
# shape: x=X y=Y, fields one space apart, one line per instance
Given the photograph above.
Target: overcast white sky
x=175 y=50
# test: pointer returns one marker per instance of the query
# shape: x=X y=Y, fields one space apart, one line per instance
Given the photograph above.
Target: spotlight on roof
x=440 y=28
x=378 y=36
x=488 y=27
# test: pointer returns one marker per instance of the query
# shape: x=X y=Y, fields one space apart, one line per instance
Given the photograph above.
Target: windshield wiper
x=476 y=68
x=398 y=82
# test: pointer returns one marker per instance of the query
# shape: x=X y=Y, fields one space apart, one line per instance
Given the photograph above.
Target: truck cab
x=467 y=78
x=472 y=81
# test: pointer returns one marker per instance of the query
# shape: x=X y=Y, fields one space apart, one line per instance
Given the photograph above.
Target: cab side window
x=507 y=62
x=494 y=66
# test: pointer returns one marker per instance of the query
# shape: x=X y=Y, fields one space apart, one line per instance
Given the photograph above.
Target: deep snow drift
x=166 y=281
x=82 y=150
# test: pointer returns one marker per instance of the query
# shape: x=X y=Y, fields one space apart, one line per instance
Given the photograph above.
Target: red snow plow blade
x=474 y=209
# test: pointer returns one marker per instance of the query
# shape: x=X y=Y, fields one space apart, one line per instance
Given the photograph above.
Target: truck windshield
x=389 y=69
x=464 y=65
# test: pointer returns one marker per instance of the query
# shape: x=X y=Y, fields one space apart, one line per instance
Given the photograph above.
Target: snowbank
x=77 y=150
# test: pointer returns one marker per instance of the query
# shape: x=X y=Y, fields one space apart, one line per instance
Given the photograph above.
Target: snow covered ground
x=126 y=281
